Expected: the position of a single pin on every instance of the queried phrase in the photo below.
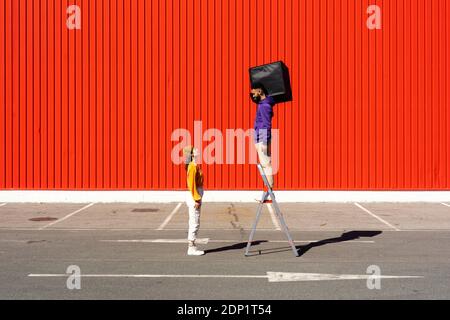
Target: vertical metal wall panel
(95, 108)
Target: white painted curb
(73, 196)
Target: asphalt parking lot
(138, 251)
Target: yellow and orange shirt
(194, 180)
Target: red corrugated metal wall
(95, 108)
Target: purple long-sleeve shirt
(263, 120)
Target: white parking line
(169, 217)
(270, 276)
(50, 275)
(66, 217)
(447, 205)
(376, 217)
(2, 204)
(273, 217)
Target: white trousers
(194, 216)
(265, 159)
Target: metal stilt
(279, 215)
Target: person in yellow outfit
(193, 197)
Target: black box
(275, 78)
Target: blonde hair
(188, 153)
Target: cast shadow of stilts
(346, 236)
(236, 246)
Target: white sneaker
(193, 251)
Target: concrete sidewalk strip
(18, 215)
(225, 216)
(170, 216)
(376, 217)
(273, 216)
(68, 216)
(413, 216)
(328, 217)
(238, 216)
(119, 215)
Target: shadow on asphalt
(236, 246)
(346, 236)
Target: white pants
(265, 158)
(194, 215)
